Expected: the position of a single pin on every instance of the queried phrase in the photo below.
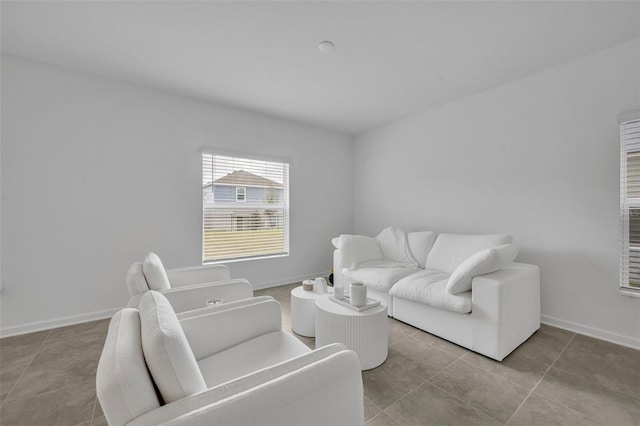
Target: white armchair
(186, 288)
(228, 364)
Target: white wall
(537, 158)
(95, 173)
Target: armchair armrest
(508, 300)
(216, 330)
(222, 307)
(179, 277)
(195, 296)
(322, 387)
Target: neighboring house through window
(630, 203)
(245, 208)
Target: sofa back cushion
(136, 282)
(171, 362)
(155, 273)
(394, 245)
(480, 263)
(420, 244)
(450, 250)
(355, 249)
(123, 384)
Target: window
(240, 192)
(245, 208)
(630, 205)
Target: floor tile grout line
(420, 385)
(541, 379)
(93, 413)
(27, 367)
(465, 403)
(497, 375)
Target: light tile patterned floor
(556, 377)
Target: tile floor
(555, 378)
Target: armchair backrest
(136, 282)
(450, 250)
(147, 275)
(123, 384)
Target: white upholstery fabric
(379, 277)
(506, 311)
(179, 277)
(336, 242)
(195, 296)
(155, 273)
(166, 350)
(482, 262)
(450, 250)
(394, 246)
(136, 282)
(124, 387)
(214, 332)
(250, 356)
(420, 244)
(295, 393)
(358, 248)
(429, 287)
(221, 307)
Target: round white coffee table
(364, 332)
(303, 316)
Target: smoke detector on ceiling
(325, 46)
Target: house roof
(244, 178)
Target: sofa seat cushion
(429, 286)
(380, 274)
(250, 356)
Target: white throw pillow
(169, 357)
(480, 263)
(355, 249)
(155, 273)
(394, 246)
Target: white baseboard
(55, 323)
(289, 280)
(598, 333)
(93, 316)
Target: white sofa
(186, 288)
(464, 288)
(228, 364)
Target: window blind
(630, 205)
(245, 208)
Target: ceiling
(391, 59)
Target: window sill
(629, 292)
(244, 259)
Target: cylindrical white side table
(364, 332)
(303, 317)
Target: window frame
(244, 194)
(284, 204)
(629, 207)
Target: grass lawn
(231, 244)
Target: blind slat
(630, 215)
(245, 208)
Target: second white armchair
(185, 288)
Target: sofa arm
(179, 277)
(322, 387)
(507, 300)
(195, 296)
(217, 330)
